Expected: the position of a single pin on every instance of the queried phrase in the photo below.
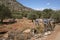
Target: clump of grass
(9, 27)
(39, 29)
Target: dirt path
(55, 35)
(58, 36)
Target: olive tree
(4, 12)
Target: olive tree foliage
(32, 16)
(17, 15)
(39, 13)
(20, 14)
(56, 16)
(25, 13)
(4, 12)
(47, 13)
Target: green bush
(32, 16)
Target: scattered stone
(27, 31)
(47, 33)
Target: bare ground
(55, 35)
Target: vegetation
(56, 16)
(18, 12)
(17, 15)
(32, 16)
(46, 13)
(4, 12)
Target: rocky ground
(15, 33)
(54, 35)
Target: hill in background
(14, 5)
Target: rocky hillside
(14, 5)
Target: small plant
(39, 29)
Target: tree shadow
(9, 22)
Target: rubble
(47, 33)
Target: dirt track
(55, 35)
